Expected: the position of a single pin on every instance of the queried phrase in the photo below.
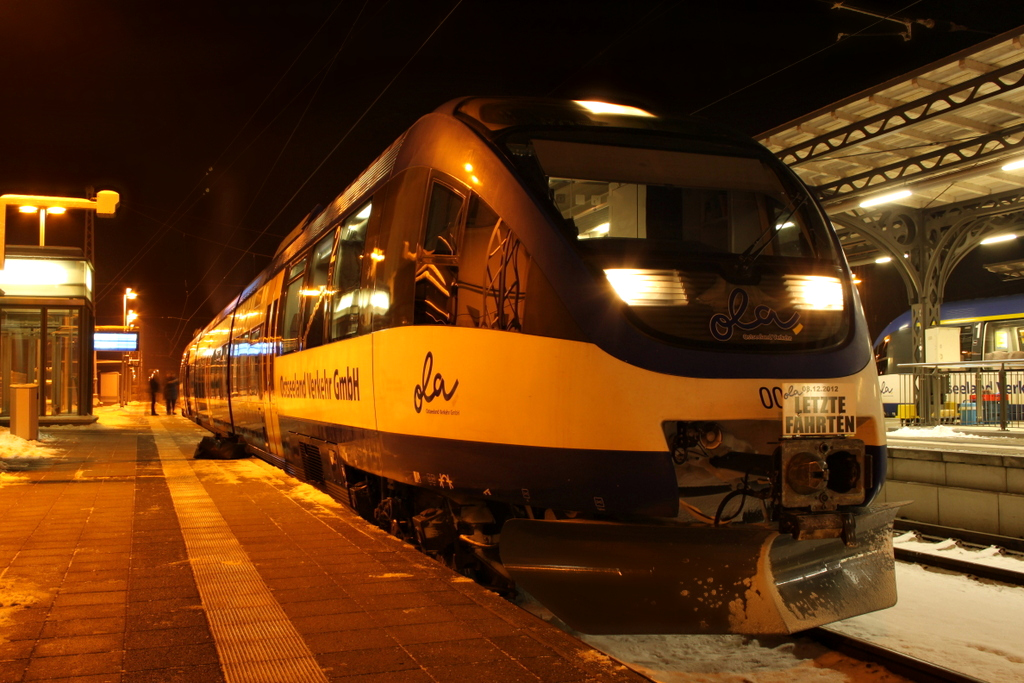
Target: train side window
(967, 343)
(315, 293)
(390, 275)
(290, 323)
(436, 264)
(493, 270)
(344, 304)
(442, 221)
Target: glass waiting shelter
(46, 322)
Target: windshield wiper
(756, 247)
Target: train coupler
(819, 525)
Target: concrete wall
(963, 490)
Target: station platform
(122, 559)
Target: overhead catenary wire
(155, 237)
(266, 176)
(334, 149)
(803, 59)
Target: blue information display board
(115, 341)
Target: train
(611, 359)
(986, 334)
(991, 328)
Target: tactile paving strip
(256, 641)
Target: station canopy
(943, 132)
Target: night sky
(215, 120)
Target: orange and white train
(614, 359)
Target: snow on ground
(943, 431)
(950, 620)
(19, 454)
(992, 556)
(737, 659)
(967, 625)
(725, 659)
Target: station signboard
(115, 341)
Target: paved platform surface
(122, 559)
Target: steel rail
(904, 665)
(979, 538)
(961, 566)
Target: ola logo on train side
(432, 386)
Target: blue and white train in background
(614, 359)
(989, 331)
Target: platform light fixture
(999, 238)
(105, 204)
(885, 198)
(129, 293)
(1014, 165)
(883, 259)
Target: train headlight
(815, 292)
(644, 287)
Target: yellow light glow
(885, 198)
(56, 210)
(815, 292)
(641, 287)
(999, 238)
(1014, 165)
(476, 181)
(469, 168)
(377, 255)
(597, 231)
(883, 259)
(28, 209)
(33, 272)
(345, 302)
(319, 291)
(380, 301)
(608, 108)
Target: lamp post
(127, 317)
(53, 210)
(105, 204)
(128, 294)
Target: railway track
(969, 539)
(904, 665)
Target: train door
(269, 346)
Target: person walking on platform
(154, 389)
(171, 393)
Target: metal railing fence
(977, 393)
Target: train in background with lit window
(614, 359)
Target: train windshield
(704, 248)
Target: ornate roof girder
(924, 166)
(953, 98)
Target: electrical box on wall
(942, 345)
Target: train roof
(967, 311)
(491, 118)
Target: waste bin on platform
(990, 409)
(25, 411)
